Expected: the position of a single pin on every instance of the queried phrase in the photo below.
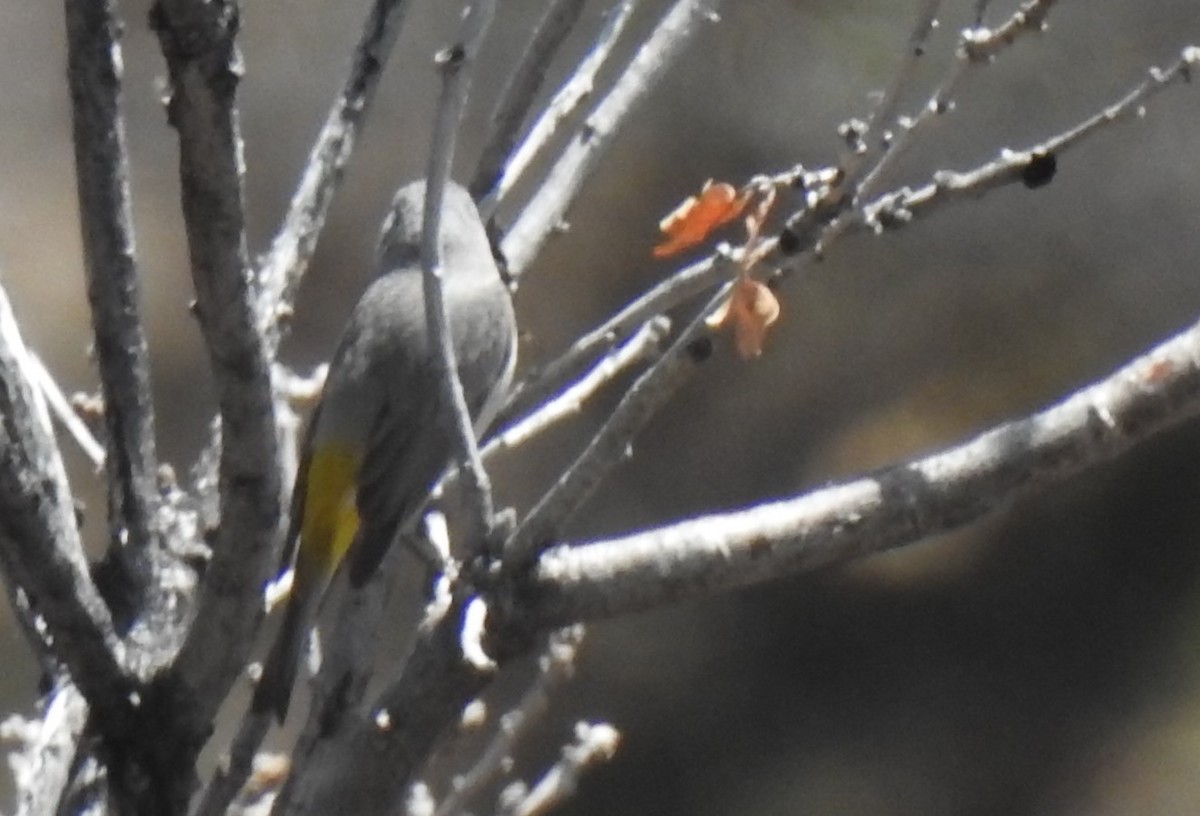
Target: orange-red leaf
(693, 220)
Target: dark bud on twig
(700, 349)
(1039, 171)
(451, 57)
(789, 242)
(853, 133)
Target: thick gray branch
(40, 549)
(367, 763)
(46, 749)
(891, 508)
(102, 177)
(205, 68)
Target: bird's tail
(274, 690)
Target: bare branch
(594, 743)
(231, 776)
(366, 763)
(555, 666)
(984, 45)
(642, 345)
(520, 91)
(46, 749)
(980, 11)
(456, 64)
(578, 88)
(1033, 166)
(610, 444)
(40, 549)
(896, 506)
(204, 68)
(545, 520)
(544, 381)
(61, 406)
(977, 46)
(877, 132)
(806, 237)
(287, 260)
(549, 205)
(346, 666)
(102, 180)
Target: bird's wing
(408, 449)
(299, 489)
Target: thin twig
(977, 46)
(576, 89)
(984, 45)
(555, 666)
(228, 780)
(1032, 166)
(204, 66)
(879, 129)
(556, 23)
(642, 345)
(611, 443)
(287, 260)
(980, 11)
(649, 65)
(594, 743)
(61, 406)
(456, 64)
(883, 114)
(342, 679)
(106, 219)
(898, 505)
(544, 381)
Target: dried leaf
(751, 309)
(693, 220)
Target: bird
(379, 438)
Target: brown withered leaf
(751, 309)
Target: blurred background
(1044, 661)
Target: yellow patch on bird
(330, 511)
